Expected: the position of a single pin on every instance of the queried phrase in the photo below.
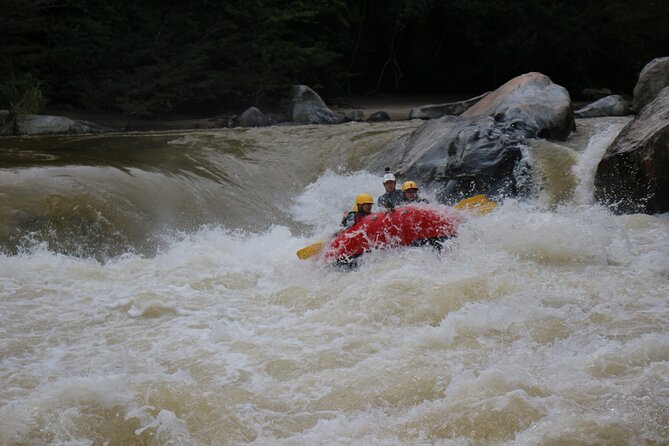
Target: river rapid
(150, 294)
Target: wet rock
(632, 176)
(544, 106)
(307, 107)
(253, 117)
(227, 120)
(379, 116)
(481, 151)
(652, 79)
(45, 125)
(355, 115)
(439, 110)
(613, 105)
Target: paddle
(310, 250)
(478, 204)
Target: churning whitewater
(150, 294)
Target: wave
(102, 196)
(530, 327)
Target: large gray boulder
(481, 151)
(633, 175)
(46, 125)
(613, 105)
(652, 79)
(379, 116)
(544, 107)
(253, 117)
(439, 110)
(355, 115)
(307, 107)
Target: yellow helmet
(363, 199)
(409, 185)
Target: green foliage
(22, 94)
(157, 56)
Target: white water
(532, 327)
(586, 167)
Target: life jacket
(390, 199)
(416, 200)
(353, 218)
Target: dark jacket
(390, 199)
(352, 218)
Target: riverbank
(397, 106)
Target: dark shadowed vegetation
(151, 57)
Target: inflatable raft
(403, 226)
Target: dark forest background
(152, 57)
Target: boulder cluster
(480, 151)
(476, 146)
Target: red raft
(404, 226)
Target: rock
(533, 97)
(355, 115)
(379, 116)
(226, 120)
(465, 156)
(45, 124)
(253, 117)
(437, 111)
(481, 151)
(652, 79)
(613, 105)
(632, 176)
(81, 127)
(308, 108)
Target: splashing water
(586, 167)
(531, 327)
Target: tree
(206, 55)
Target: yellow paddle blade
(478, 204)
(310, 250)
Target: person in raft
(363, 207)
(392, 197)
(410, 193)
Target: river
(150, 294)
